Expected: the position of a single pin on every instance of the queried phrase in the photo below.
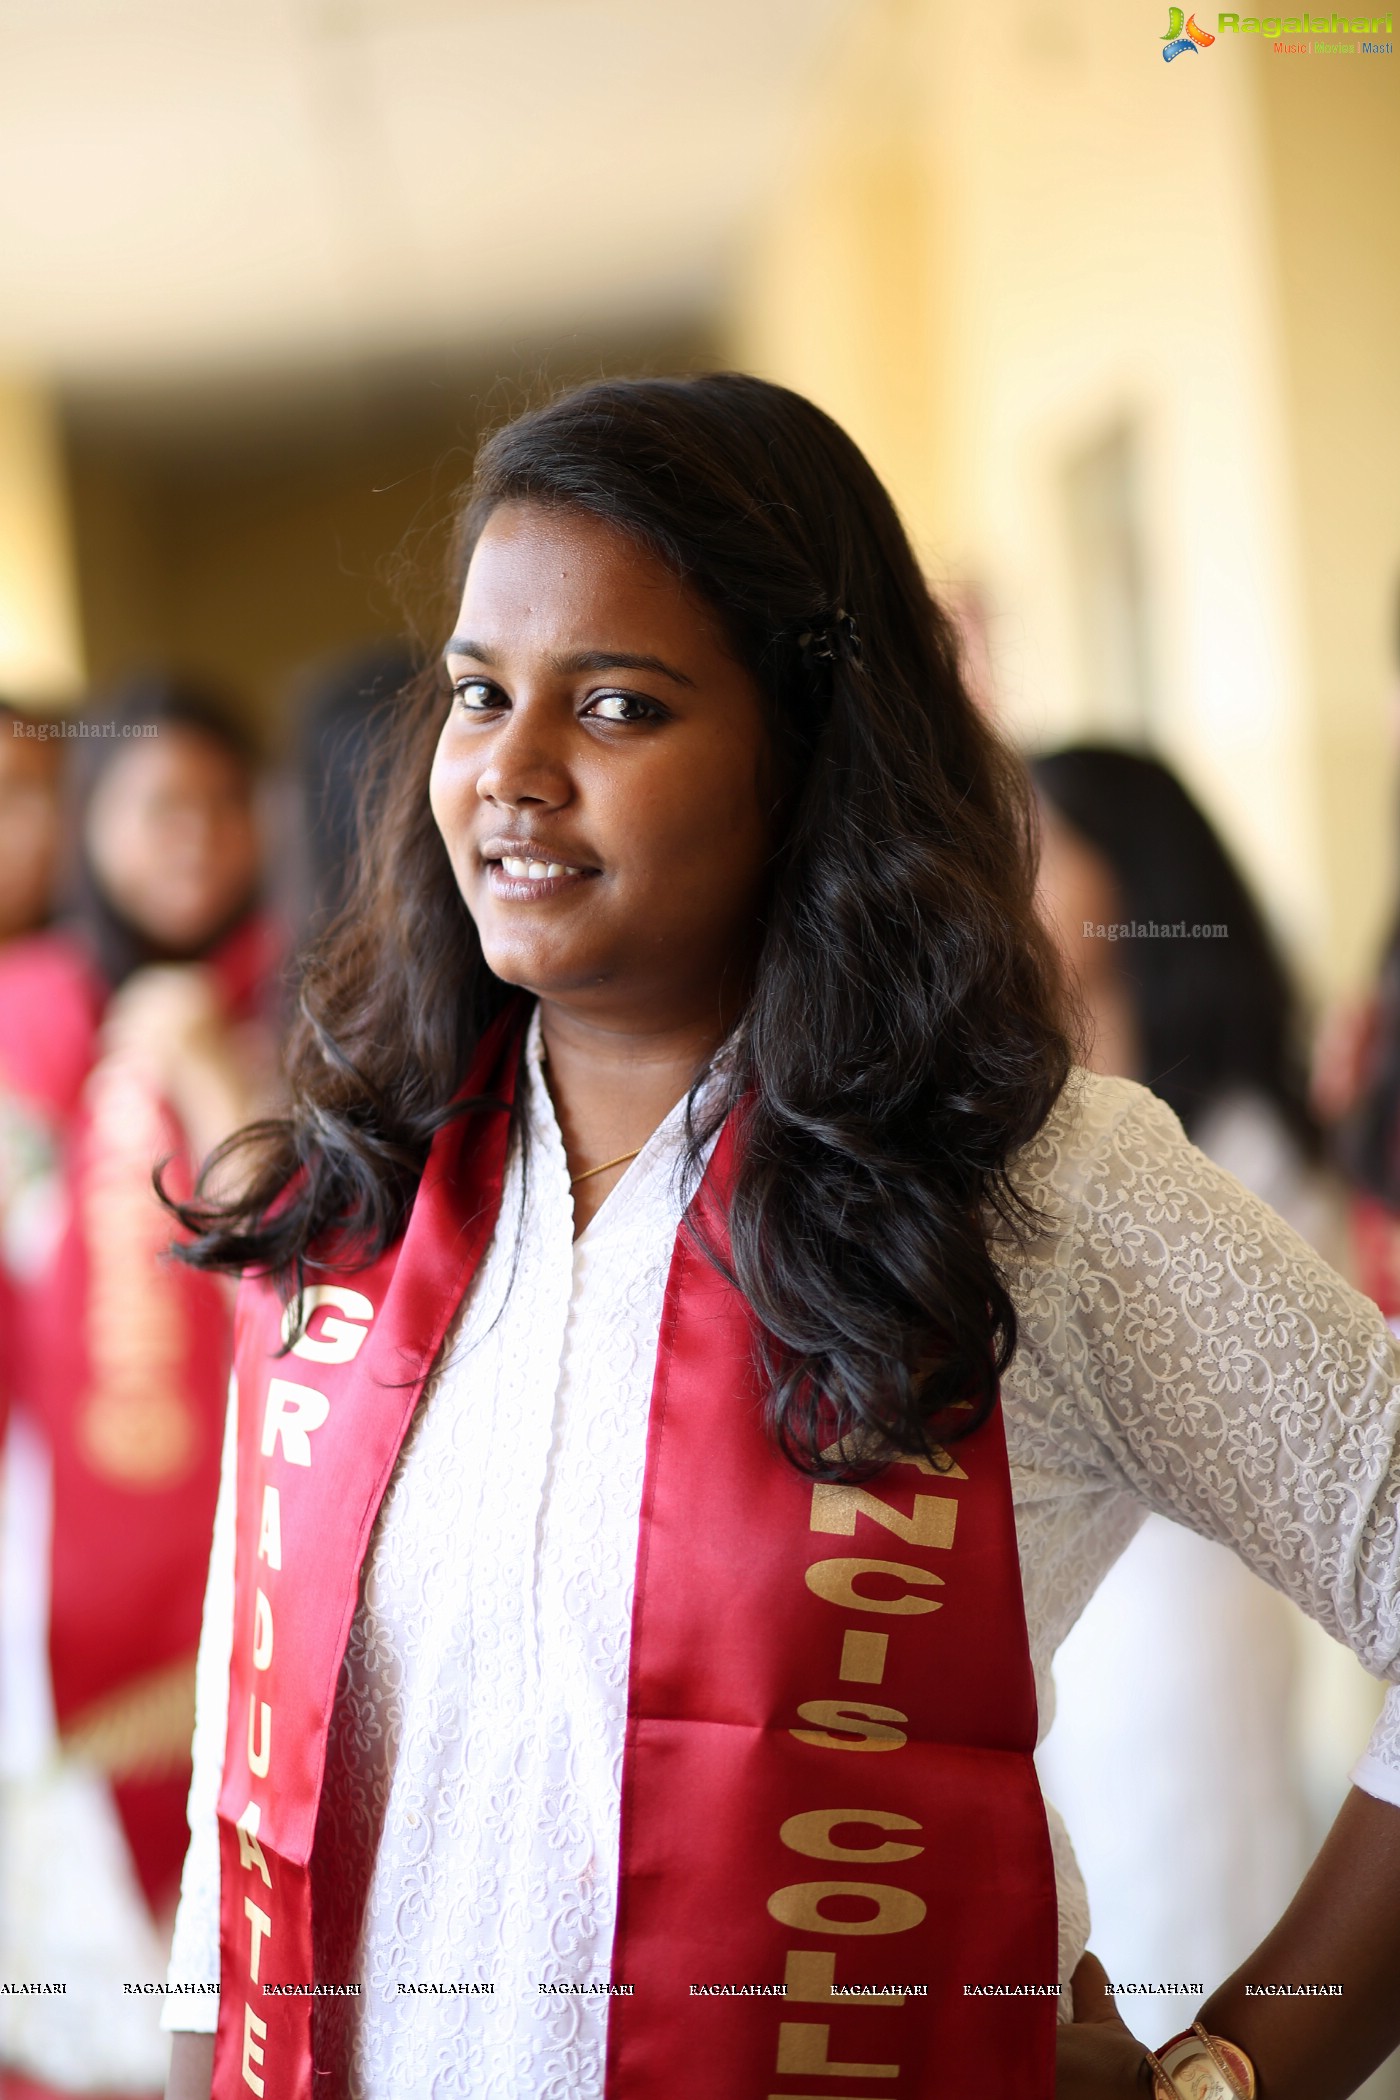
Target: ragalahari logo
(1175, 42)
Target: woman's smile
(530, 871)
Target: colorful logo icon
(1175, 42)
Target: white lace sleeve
(1378, 1772)
(193, 2006)
(1212, 1364)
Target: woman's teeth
(536, 870)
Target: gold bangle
(1231, 2075)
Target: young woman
(619, 1648)
(1209, 1020)
(128, 1032)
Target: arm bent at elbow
(1342, 1928)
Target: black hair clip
(833, 638)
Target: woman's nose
(526, 762)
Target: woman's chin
(541, 969)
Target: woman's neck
(611, 1088)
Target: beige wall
(1331, 138)
(244, 560)
(834, 292)
(1087, 235)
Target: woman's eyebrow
(462, 645)
(580, 660)
(618, 660)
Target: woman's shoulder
(1100, 1132)
(1111, 1185)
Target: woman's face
(603, 781)
(1079, 899)
(171, 837)
(1076, 890)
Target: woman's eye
(475, 695)
(622, 707)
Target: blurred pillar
(40, 649)
(1332, 154)
(834, 292)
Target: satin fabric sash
(835, 1870)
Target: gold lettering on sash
(857, 1717)
(262, 1632)
(259, 1753)
(293, 1411)
(800, 1905)
(835, 1508)
(260, 1925)
(270, 1528)
(250, 1852)
(863, 1657)
(946, 1469)
(809, 1978)
(835, 1580)
(805, 2046)
(866, 1586)
(254, 2033)
(811, 1834)
(339, 1340)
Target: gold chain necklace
(589, 1172)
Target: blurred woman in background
(1356, 1090)
(344, 713)
(29, 821)
(1207, 1018)
(1202, 1011)
(1368, 1135)
(30, 776)
(129, 1033)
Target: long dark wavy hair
(1216, 1015)
(901, 1038)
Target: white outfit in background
(1178, 1755)
(1181, 1350)
(71, 1908)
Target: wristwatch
(1200, 2066)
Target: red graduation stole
(828, 1779)
(120, 1358)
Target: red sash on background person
(121, 1358)
(1375, 1238)
(828, 1778)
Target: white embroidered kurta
(1180, 1625)
(1181, 1350)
